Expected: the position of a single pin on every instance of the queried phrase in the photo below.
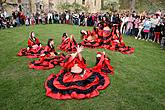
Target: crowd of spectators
(144, 26)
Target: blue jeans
(146, 34)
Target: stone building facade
(32, 6)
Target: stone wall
(33, 6)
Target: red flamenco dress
(68, 44)
(90, 39)
(68, 84)
(48, 60)
(34, 49)
(117, 44)
(103, 64)
(104, 36)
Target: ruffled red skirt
(121, 48)
(68, 47)
(32, 53)
(66, 85)
(44, 64)
(104, 42)
(104, 67)
(90, 44)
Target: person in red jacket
(34, 47)
(49, 59)
(75, 80)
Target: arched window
(95, 3)
(83, 2)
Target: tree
(78, 8)
(30, 5)
(64, 6)
(110, 5)
(124, 4)
(132, 4)
(72, 7)
(141, 5)
(102, 4)
(1, 4)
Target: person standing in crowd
(18, 20)
(117, 20)
(67, 17)
(82, 17)
(14, 23)
(46, 18)
(159, 13)
(40, 18)
(86, 20)
(154, 22)
(56, 18)
(123, 24)
(147, 27)
(36, 18)
(129, 25)
(50, 17)
(14, 15)
(163, 32)
(32, 20)
(22, 18)
(1, 22)
(71, 18)
(76, 19)
(62, 18)
(136, 25)
(27, 21)
(140, 29)
(157, 31)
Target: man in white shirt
(50, 17)
(67, 18)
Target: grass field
(138, 82)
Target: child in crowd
(136, 26)
(157, 33)
(146, 30)
(27, 22)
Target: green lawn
(138, 82)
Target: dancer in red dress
(118, 44)
(49, 59)
(90, 39)
(68, 44)
(75, 80)
(34, 47)
(105, 38)
(103, 64)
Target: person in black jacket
(163, 33)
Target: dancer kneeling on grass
(90, 39)
(105, 37)
(75, 80)
(118, 44)
(68, 44)
(34, 47)
(103, 64)
(49, 59)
